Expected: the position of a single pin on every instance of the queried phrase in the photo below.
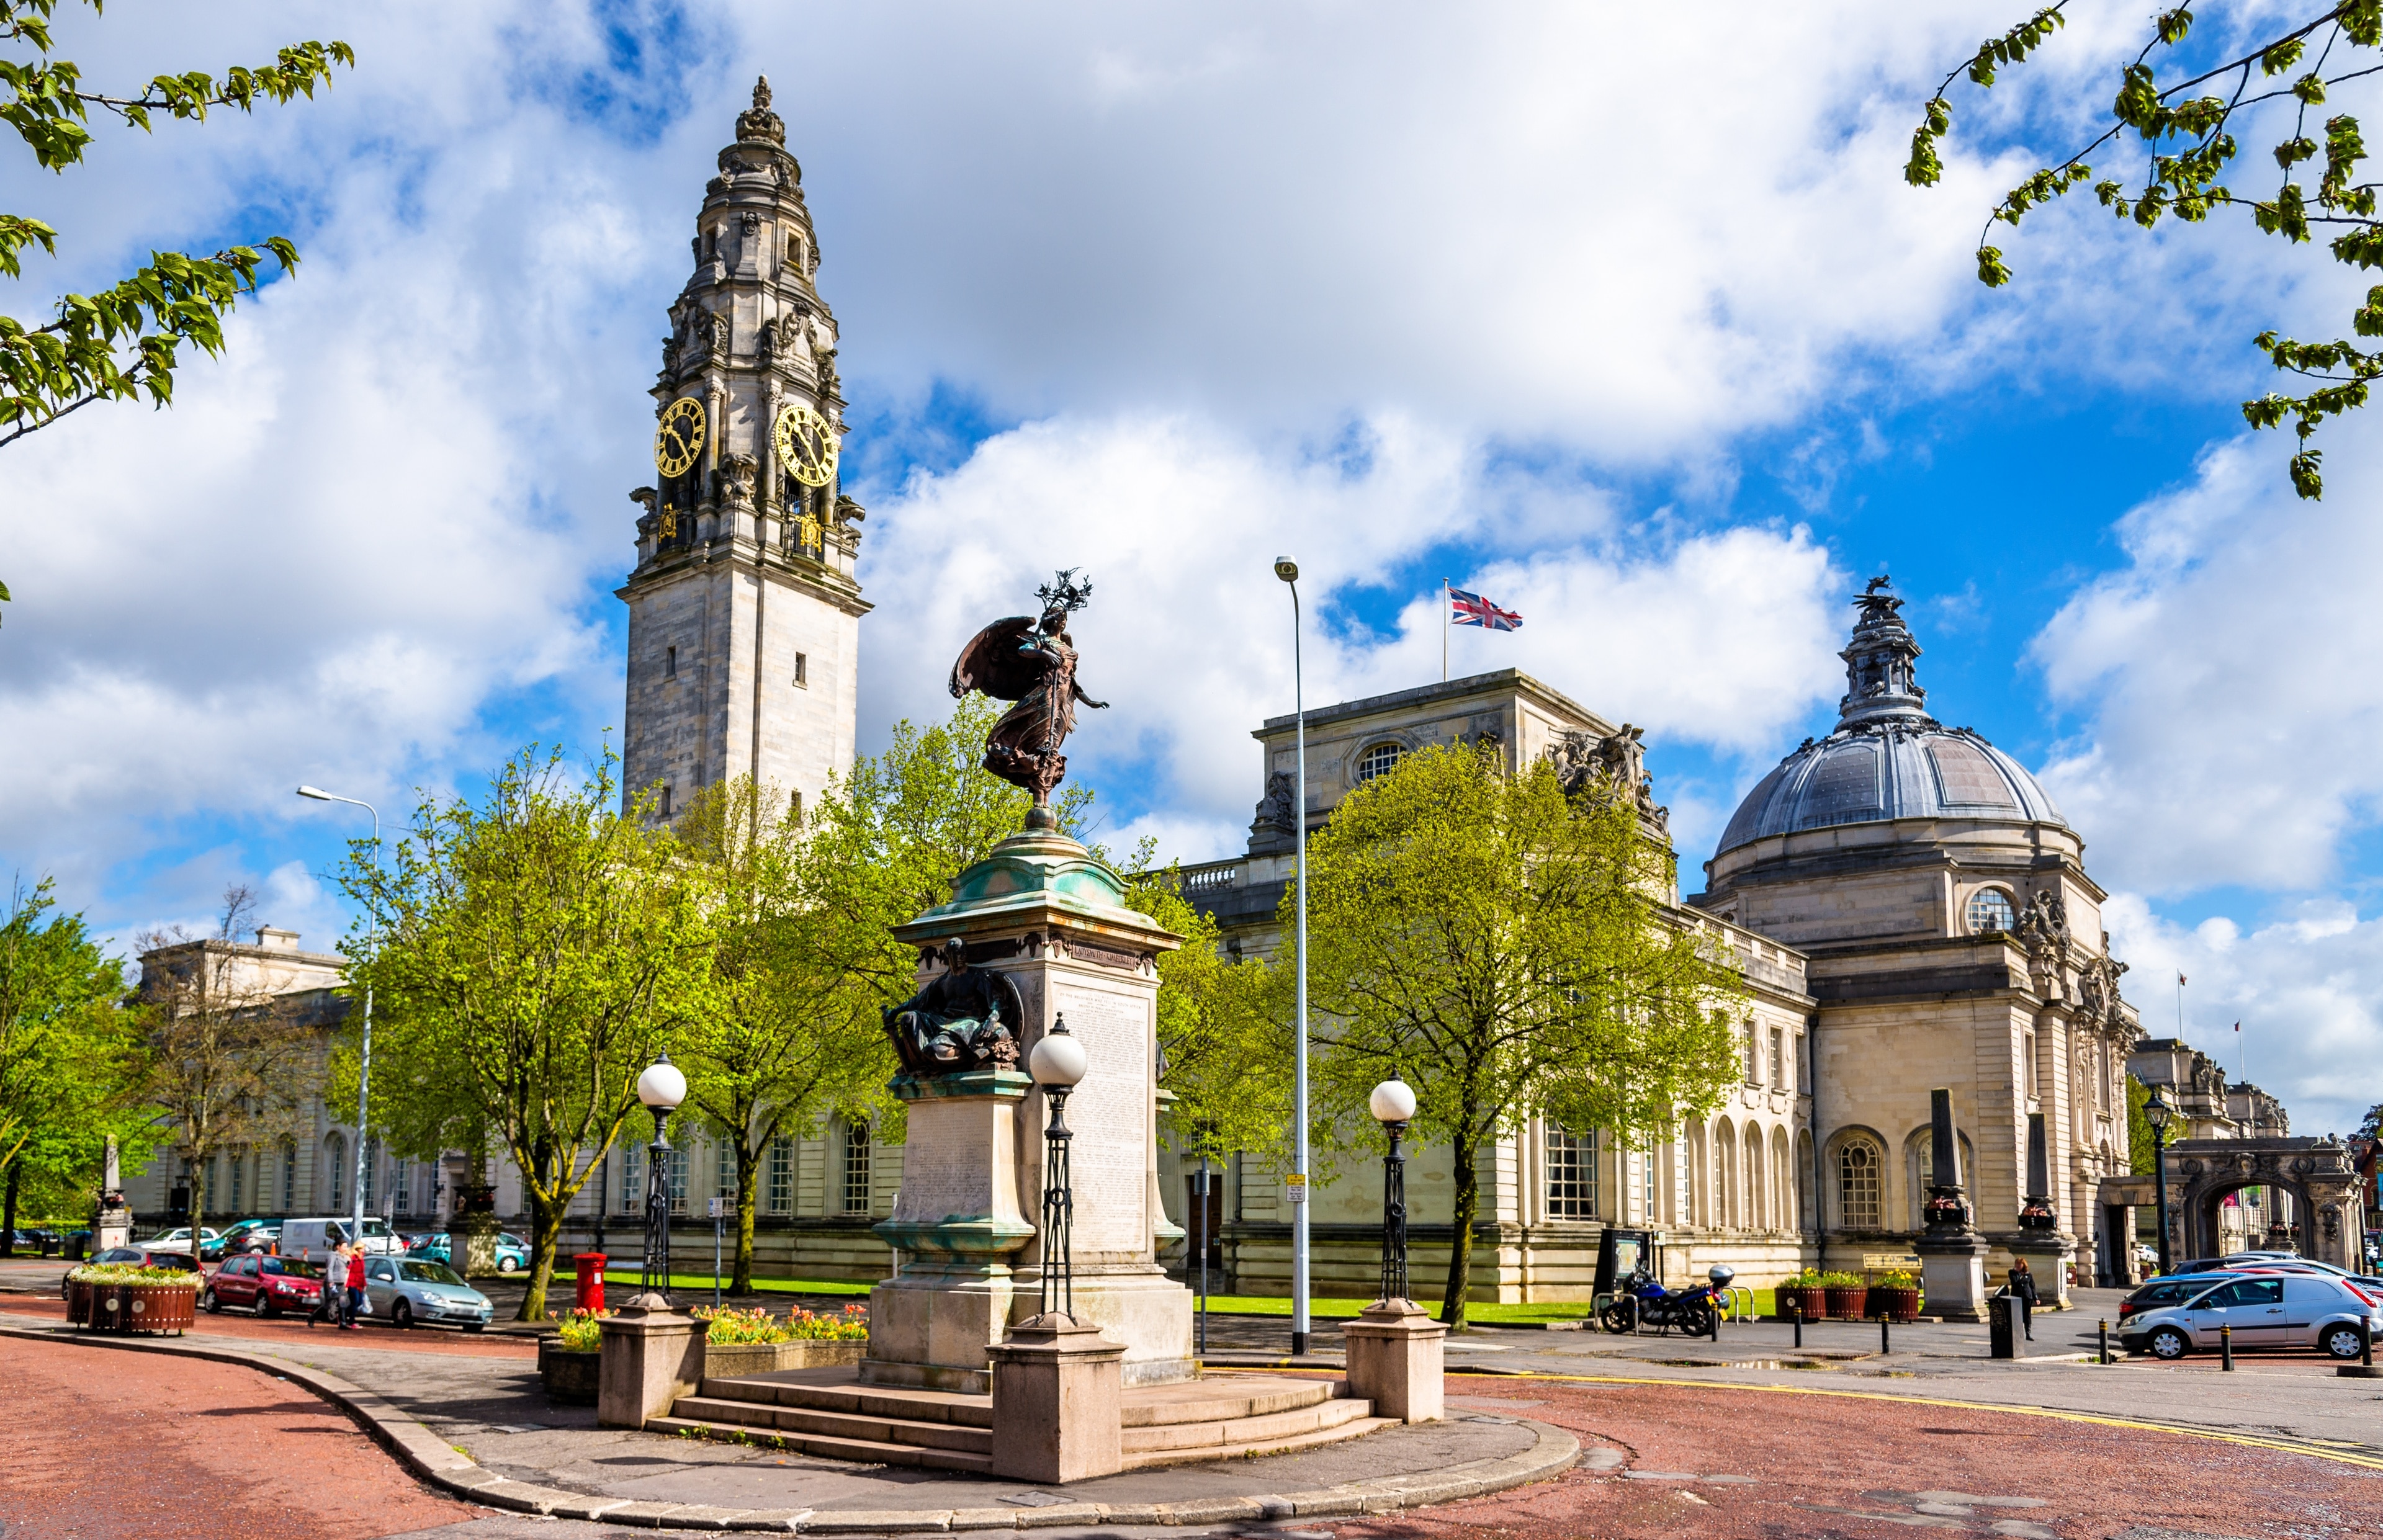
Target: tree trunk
(198, 1216)
(1460, 1251)
(747, 1165)
(545, 1231)
(8, 1220)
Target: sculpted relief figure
(966, 1019)
(1032, 663)
(1584, 760)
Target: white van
(312, 1239)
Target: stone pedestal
(652, 1356)
(958, 1224)
(1042, 910)
(1058, 1403)
(1395, 1361)
(2048, 1254)
(114, 1226)
(1952, 1269)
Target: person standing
(327, 1300)
(2023, 1287)
(355, 1303)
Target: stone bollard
(1395, 1353)
(652, 1356)
(1058, 1402)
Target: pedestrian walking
(327, 1299)
(2023, 1287)
(356, 1276)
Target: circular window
(1378, 760)
(1990, 910)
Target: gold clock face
(806, 446)
(678, 439)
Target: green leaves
(1991, 271)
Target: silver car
(407, 1290)
(2266, 1310)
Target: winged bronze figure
(1031, 660)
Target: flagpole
(1445, 625)
(2180, 1007)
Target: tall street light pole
(2159, 1111)
(1288, 569)
(363, 1077)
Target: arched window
(856, 1169)
(1758, 1195)
(1378, 760)
(335, 1160)
(1990, 910)
(1729, 1200)
(1858, 1185)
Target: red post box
(591, 1279)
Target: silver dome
(1887, 759)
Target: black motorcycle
(1645, 1302)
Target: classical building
(743, 613)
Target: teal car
(513, 1252)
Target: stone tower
(743, 613)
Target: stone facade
(744, 612)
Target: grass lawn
(1486, 1315)
(615, 1277)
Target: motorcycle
(1642, 1301)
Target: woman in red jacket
(355, 1303)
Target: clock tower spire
(744, 612)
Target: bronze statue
(965, 1018)
(1033, 663)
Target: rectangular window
(1778, 1058)
(666, 800)
(239, 1172)
(782, 1176)
(723, 1171)
(677, 1169)
(400, 1186)
(802, 671)
(1650, 1189)
(372, 1172)
(289, 1179)
(856, 1169)
(1572, 1173)
(794, 809)
(1753, 1056)
(670, 662)
(633, 1179)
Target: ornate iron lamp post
(1288, 569)
(1393, 1102)
(1057, 1064)
(663, 1087)
(2159, 1111)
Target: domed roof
(1887, 759)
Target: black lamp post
(1393, 1102)
(663, 1087)
(1202, 1238)
(1057, 1064)
(2159, 1111)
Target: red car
(265, 1285)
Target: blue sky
(1669, 367)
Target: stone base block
(931, 1324)
(1058, 1405)
(2048, 1257)
(1396, 1360)
(1953, 1271)
(1146, 1312)
(651, 1357)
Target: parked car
(251, 1235)
(210, 1242)
(513, 1252)
(265, 1285)
(313, 1239)
(407, 1290)
(2162, 1292)
(2264, 1311)
(138, 1256)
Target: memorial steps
(827, 1412)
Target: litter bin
(2002, 1324)
(591, 1279)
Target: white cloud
(2304, 987)
(2232, 678)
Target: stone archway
(2315, 1172)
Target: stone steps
(1221, 1417)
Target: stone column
(957, 1223)
(1396, 1360)
(652, 1356)
(1058, 1408)
(1952, 1253)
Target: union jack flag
(1473, 610)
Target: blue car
(513, 1252)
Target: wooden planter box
(1847, 1304)
(734, 1361)
(126, 1308)
(569, 1377)
(1813, 1302)
(1896, 1304)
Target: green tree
(1508, 953)
(529, 956)
(2139, 1128)
(70, 1057)
(785, 1031)
(231, 1056)
(2184, 130)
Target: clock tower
(743, 613)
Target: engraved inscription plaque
(1110, 1113)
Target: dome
(1887, 759)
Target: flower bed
(742, 1342)
(114, 1297)
(1847, 1296)
(1808, 1295)
(1895, 1296)
(569, 1363)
